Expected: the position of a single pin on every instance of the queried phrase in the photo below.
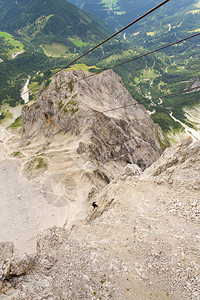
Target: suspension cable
(107, 39)
(125, 62)
(137, 57)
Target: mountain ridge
(123, 12)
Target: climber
(94, 204)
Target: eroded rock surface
(179, 166)
(84, 108)
(142, 242)
(73, 144)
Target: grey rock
(141, 242)
(21, 265)
(84, 108)
(12, 265)
(132, 170)
(87, 143)
(179, 166)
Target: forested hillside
(51, 33)
(120, 12)
(49, 21)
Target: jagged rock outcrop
(179, 166)
(83, 108)
(6, 250)
(11, 264)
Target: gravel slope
(24, 210)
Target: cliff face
(73, 145)
(141, 242)
(84, 109)
(85, 142)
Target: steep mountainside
(99, 140)
(73, 145)
(84, 139)
(78, 106)
(120, 13)
(49, 21)
(51, 33)
(140, 243)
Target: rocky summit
(100, 114)
(86, 140)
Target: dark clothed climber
(94, 204)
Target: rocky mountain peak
(85, 107)
(77, 142)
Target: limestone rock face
(141, 242)
(83, 108)
(80, 134)
(142, 239)
(179, 166)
